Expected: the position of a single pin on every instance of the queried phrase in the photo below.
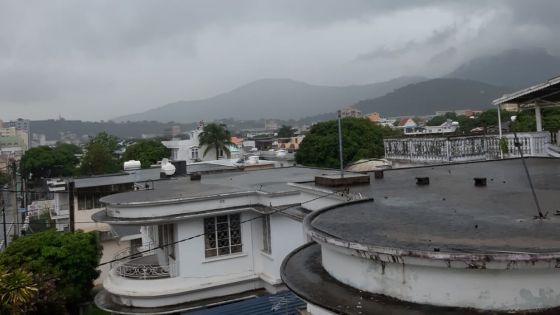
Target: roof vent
(480, 181)
(422, 181)
(378, 174)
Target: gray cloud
(101, 59)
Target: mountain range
(472, 85)
(270, 98)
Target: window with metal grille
(267, 246)
(222, 235)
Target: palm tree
(16, 290)
(215, 136)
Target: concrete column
(500, 131)
(538, 117)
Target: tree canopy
(43, 161)
(69, 259)
(147, 151)
(215, 136)
(286, 131)
(361, 139)
(99, 157)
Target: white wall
(191, 258)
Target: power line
(277, 210)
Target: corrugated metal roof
(283, 303)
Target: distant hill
(52, 129)
(515, 68)
(270, 98)
(426, 97)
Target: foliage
(4, 179)
(100, 156)
(215, 136)
(71, 258)
(361, 139)
(17, 291)
(485, 119)
(45, 161)
(526, 120)
(147, 151)
(106, 140)
(286, 131)
(438, 120)
(504, 145)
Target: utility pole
(4, 221)
(71, 205)
(340, 143)
(16, 214)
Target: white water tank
(167, 168)
(132, 165)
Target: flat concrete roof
(268, 180)
(141, 175)
(303, 274)
(451, 214)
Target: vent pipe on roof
(422, 181)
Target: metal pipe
(340, 144)
(518, 145)
(500, 131)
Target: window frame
(230, 225)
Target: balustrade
(465, 148)
(142, 263)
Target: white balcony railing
(142, 263)
(465, 148)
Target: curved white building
(210, 239)
(451, 239)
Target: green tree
(106, 140)
(98, 160)
(286, 132)
(361, 139)
(438, 120)
(71, 258)
(217, 137)
(526, 120)
(100, 157)
(43, 161)
(147, 151)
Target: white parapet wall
(464, 148)
(495, 285)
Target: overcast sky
(95, 60)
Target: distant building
(271, 125)
(459, 112)
(447, 127)
(407, 123)
(246, 222)
(350, 112)
(175, 130)
(387, 122)
(291, 143)
(374, 117)
(188, 148)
